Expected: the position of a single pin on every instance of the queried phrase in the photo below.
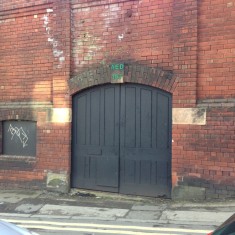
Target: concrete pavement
(85, 205)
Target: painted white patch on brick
(62, 59)
(49, 10)
(57, 53)
(120, 37)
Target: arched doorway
(121, 139)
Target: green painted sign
(117, 66)
(117, 71)
(117, 76)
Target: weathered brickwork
(133, 73)
(34, 69)
(216, 42)
(204, 155)
(185, 36)
(25, 53)
(162, 34)
(50, 140)
(52, 49)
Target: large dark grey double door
(122, 140)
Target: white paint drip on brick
(120, 37)
(49, 10)
(57, 53)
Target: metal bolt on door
(122, 140)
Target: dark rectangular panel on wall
(19, 138)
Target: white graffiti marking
(20, 133)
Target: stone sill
(18, 158)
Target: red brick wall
(162, 34)
(194, 39)
(182, 36)
(185, 33)
(20, 4)
(127, 30)
(203, 156)
(26, 61)
(216, 49)
(34, 69)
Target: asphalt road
(82, 227)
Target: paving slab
(215, 204)
(28, 208)
(82, 211)
(199, 216)
(15, 196)
(143, 215)
(148, 208)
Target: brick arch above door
(132, 73)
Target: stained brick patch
(133, 73)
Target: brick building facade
(52, 50)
